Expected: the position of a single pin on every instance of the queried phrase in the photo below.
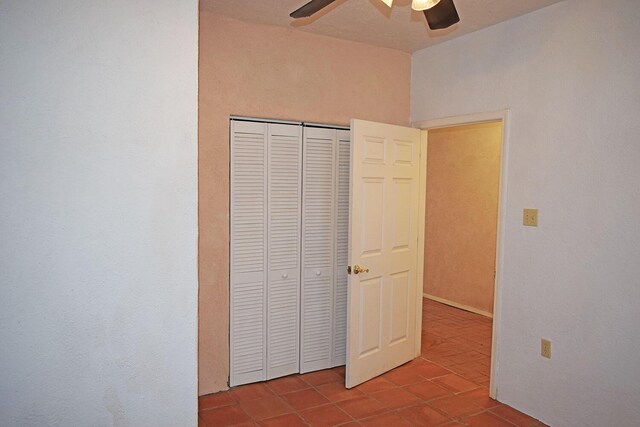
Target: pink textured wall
(260, 71)
(463, 177)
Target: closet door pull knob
(285, 275)
(357, 269)
(318, 273)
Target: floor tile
(423, 415)
(362, 407)
(385, 420)
(287, 384)
(321, 377)
(486, 419)
(215, 400)
(430, 370)
(224, 416)
(268, 407)
(427, 390)
(481, 397)
(340, 370)
(456, 406)
(514, 416)
(287, 420)
(251, 391)
(486, 361)
(337, 392)
(326, 415)
(485, 382)
(403, 376)
(376, 384)
(455, 383)
(304, 399)
(418, 361)
(395, 398)
(466, 357)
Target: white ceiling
(371, 22)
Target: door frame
(502, 116)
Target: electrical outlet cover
(545, 348)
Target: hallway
(447, 386)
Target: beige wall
(463, 175)
(261, 71)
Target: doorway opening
(465, 197)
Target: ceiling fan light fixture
(388, 2)
(423, 4)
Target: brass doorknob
(357, 269)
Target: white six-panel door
(384, 226)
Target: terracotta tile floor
(447, 386)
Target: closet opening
(289, 201)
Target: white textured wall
(570, 74)
(98, 212)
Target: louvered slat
(248, 253)
(285, 148)
(318, 224)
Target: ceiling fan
(440, 13)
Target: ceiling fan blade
(310, 8)
(443, 15)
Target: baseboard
(457, 305)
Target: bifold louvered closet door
(325, 216)
(289, 236)
(265, 250)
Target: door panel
(342, 242)
(400, 285)
(283, 286)
(318, 247)
(248, 300)
(385, 174)
(370, 316)
(371, 224)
